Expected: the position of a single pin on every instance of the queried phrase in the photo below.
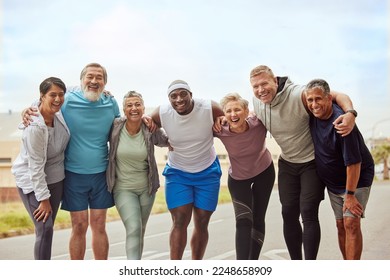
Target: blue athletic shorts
(83, 190)
(200, 188)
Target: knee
(202, 219)
(290, 212)
(98, 224)
(46, 229)
(79, 227)
(79, 222)
(244, 222)
(181, 220)
(352, 225)
(309, 212)
(133, 226)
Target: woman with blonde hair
(251, 174)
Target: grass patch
(14, 219)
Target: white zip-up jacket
(31, 166)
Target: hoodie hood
(283, 84)
(287, 121)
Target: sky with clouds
(211, 44)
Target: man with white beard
(89, 115)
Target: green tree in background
(381, 154)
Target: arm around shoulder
(343, 100)
(346, 122)
(153, 121)
(217, 110)
(160, 138)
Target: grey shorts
(337, 202)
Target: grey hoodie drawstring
(265, 118)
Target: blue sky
(211, 44)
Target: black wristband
(353, 112)
(350, 192)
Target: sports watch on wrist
(350, 192)
(353, 112)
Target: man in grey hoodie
(281, 106)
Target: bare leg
(341, 236)
(181, 217)
(354, 238)
(99, 235)
(200, 235)
(77, 243)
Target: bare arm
(344, 123)
(153, 121)
(217, 110)
(218, 116)
(156, 116)
(350, 202)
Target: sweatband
(177, 86)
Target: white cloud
(211, 44)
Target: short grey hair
(97, 65)
(132, 93)
(318, 83)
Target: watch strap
(353, 112)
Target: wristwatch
(350, 192)
(353, 112)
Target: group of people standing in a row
(65, 160)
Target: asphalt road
(375, 227)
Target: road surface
(375, 227)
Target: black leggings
(300, 192)
(250, 200)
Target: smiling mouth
(180, 105)
(263, 95)
(93, 88)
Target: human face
(133, 109)
(236, 116)
(319, 103)
(181, 101)
(93, 83)
(52, 101)
(264, 87)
